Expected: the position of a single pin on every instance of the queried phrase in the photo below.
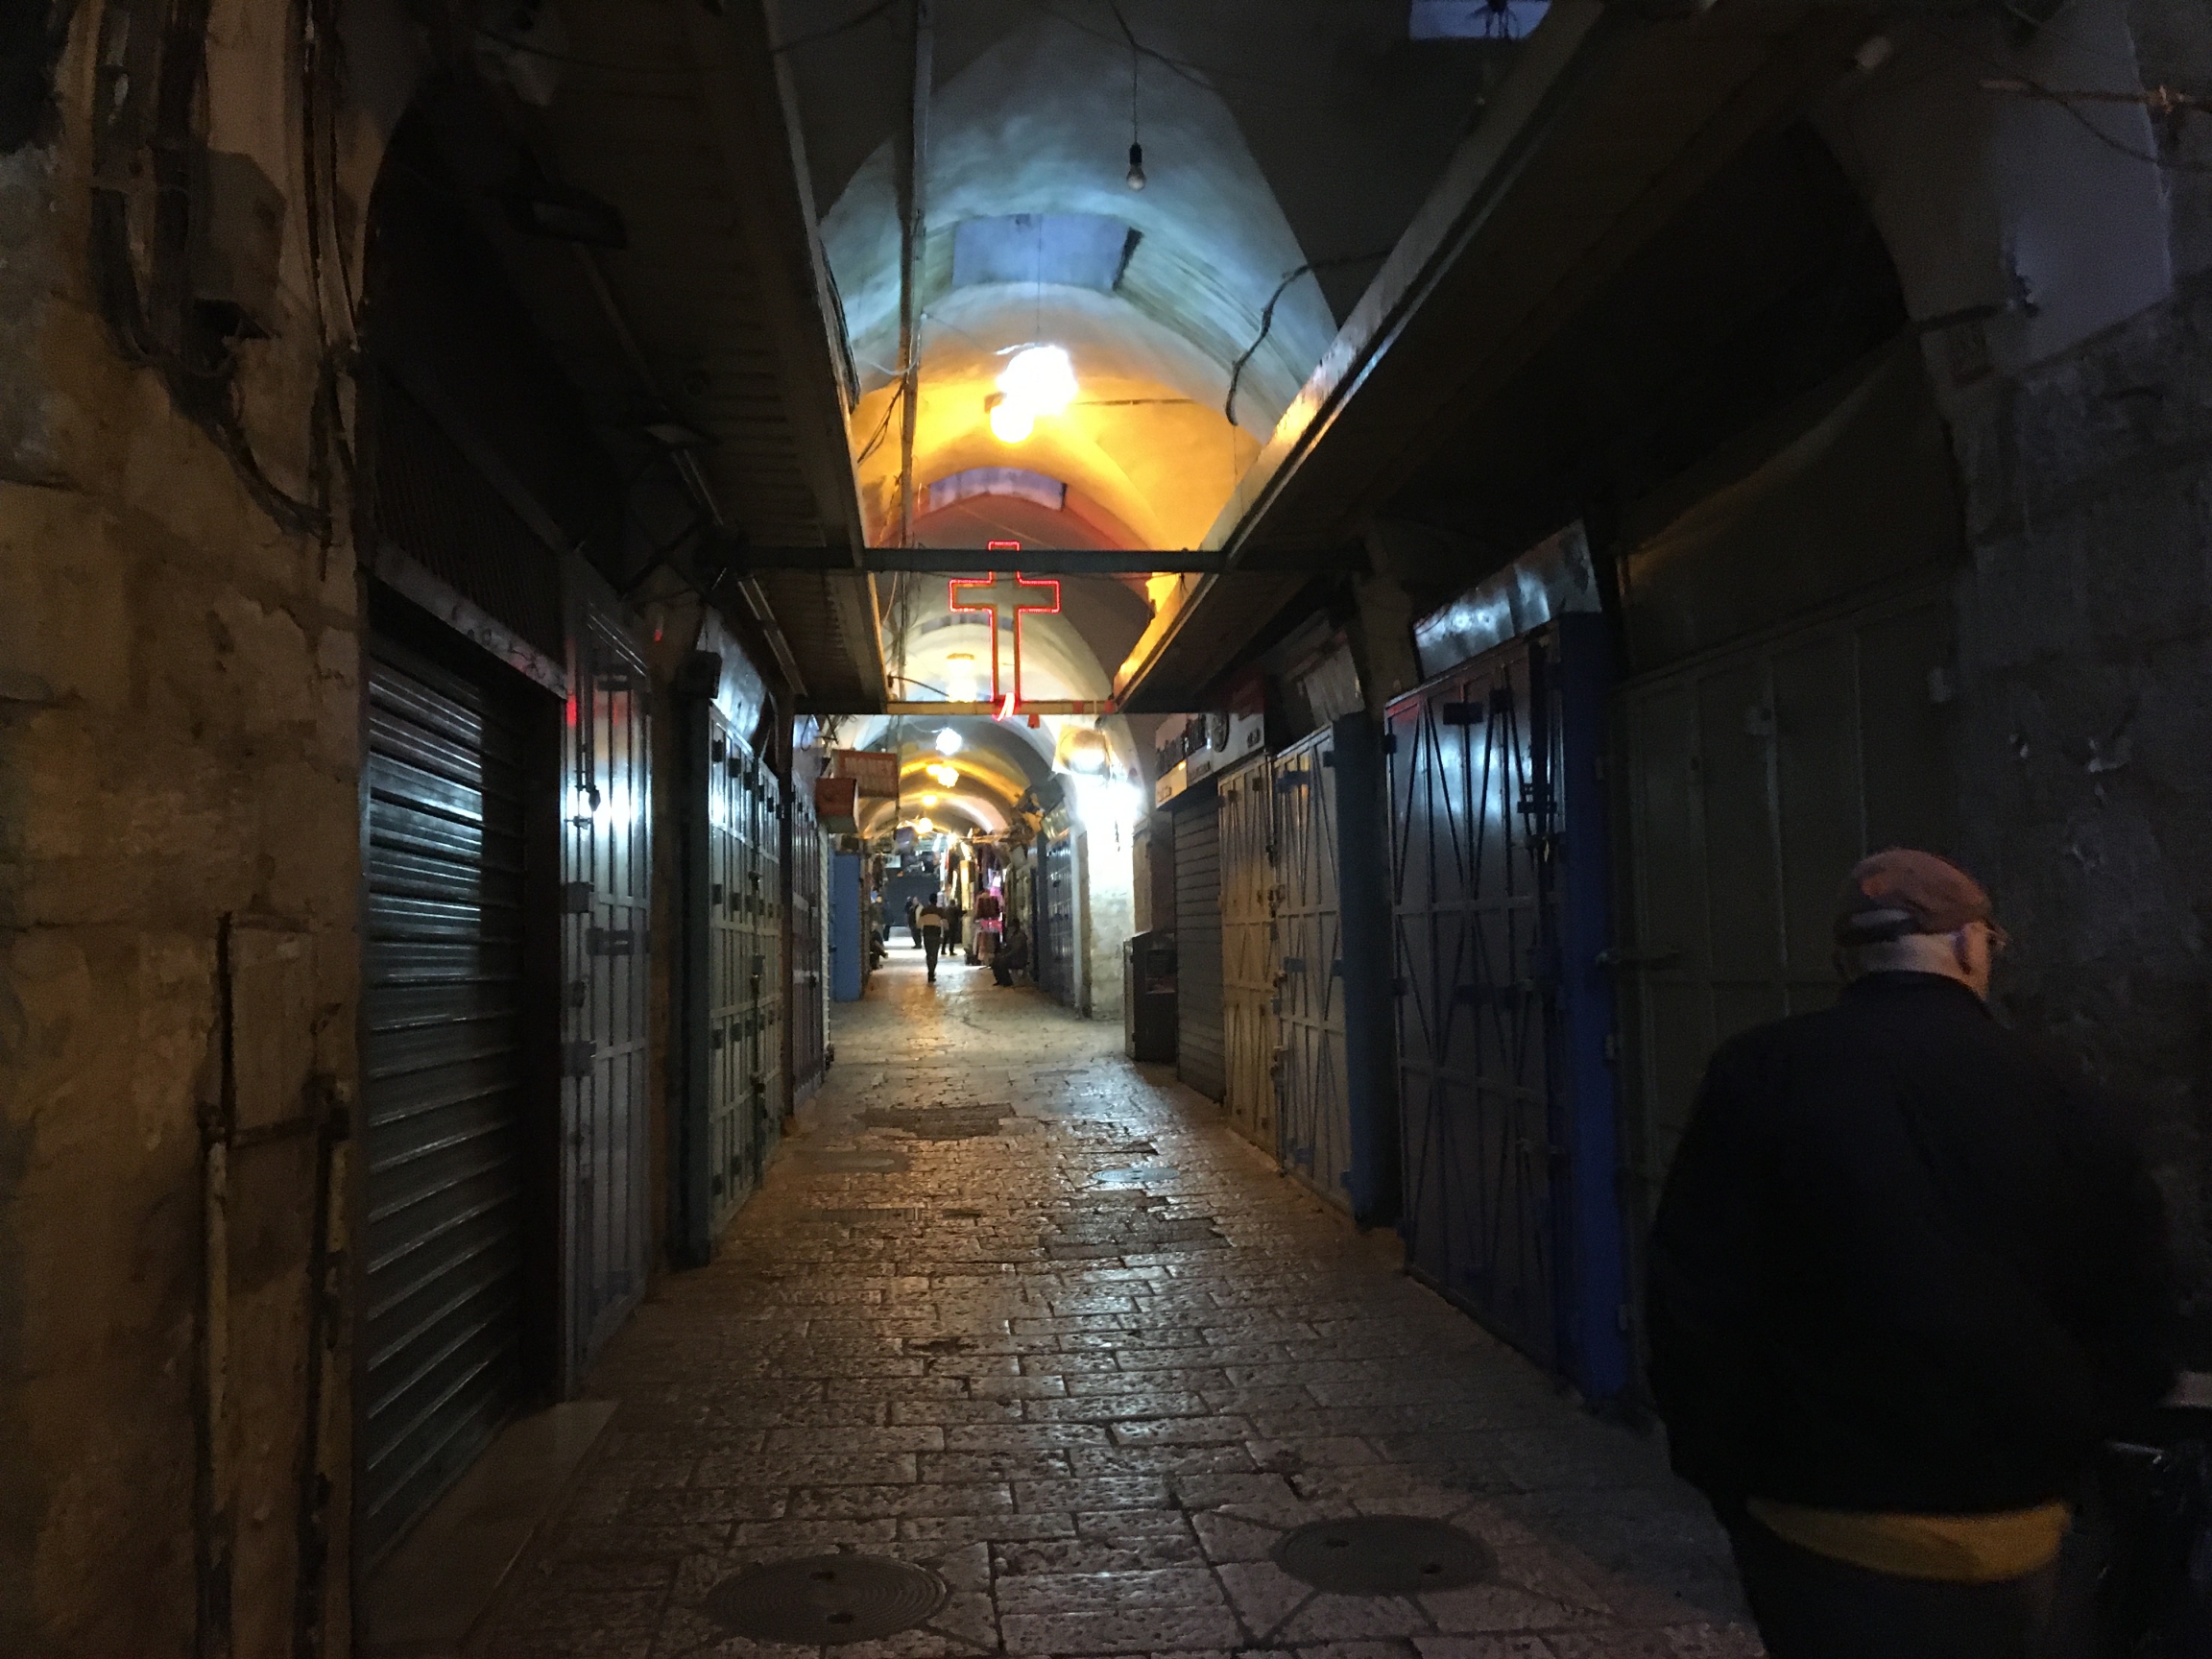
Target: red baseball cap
(1901, 891)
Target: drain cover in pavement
(1383, 1555)
(819, 1600)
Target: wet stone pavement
(1013, 1309)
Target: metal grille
(607, 865)
(442, 1082)
(1199, 1045)
(1248, 956)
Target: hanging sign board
(835, 805)
(875, 770)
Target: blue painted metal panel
(847, 919)
(1499, 866)
(1363, 951)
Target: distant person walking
(1906, 1274)
(1012, 954)
(914, 918)
(932, 924)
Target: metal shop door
(1336, 1100)
(443, 1082)
(1199, 1046)
(1753, 778)
(607, 865)
(1499, 859)
(765, 1095)
(1248, 957)
(733, 939)
(810, 937)
(847, 927)
(1056, 943)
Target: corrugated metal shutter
(442, 1094)
(1201, 1047)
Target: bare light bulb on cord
(1136, 166)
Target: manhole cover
(1383, 1555)
(819, 1600)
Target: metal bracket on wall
(576, 1057)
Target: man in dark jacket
(1906, 1273)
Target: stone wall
(2085, 714)
(178, 730)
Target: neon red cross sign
(996, 593)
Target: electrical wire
(1267, 318)
(890, 408)
(2043, 93)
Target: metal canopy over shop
(1624, 116)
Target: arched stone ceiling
(1277, 134)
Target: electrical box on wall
(1225, 738)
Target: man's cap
(1902, 891)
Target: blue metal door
(1498, 858)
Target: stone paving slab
(1015, 1308)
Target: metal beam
(990, 711)
(1043, 561)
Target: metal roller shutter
(1201, 1047)
(442, 1083)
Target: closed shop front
(1754, 777)
(448, 1097)
(808, 933)
(1058, 898)
(607, 870)
(728, 1027)
(1337, 1111)
(1200, 1048)
(1500, 865)
(1248, 955)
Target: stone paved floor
(1017, 1308)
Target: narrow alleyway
(1013, 1309)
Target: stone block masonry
(2085, 690)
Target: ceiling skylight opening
(1475, 20)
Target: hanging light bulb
(1136, 166)
(1041, 379)
(1011, 423)
(928, 800)
(948, 741)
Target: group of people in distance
(935, 924)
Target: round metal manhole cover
(822, 1600)
(1384, 1556)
